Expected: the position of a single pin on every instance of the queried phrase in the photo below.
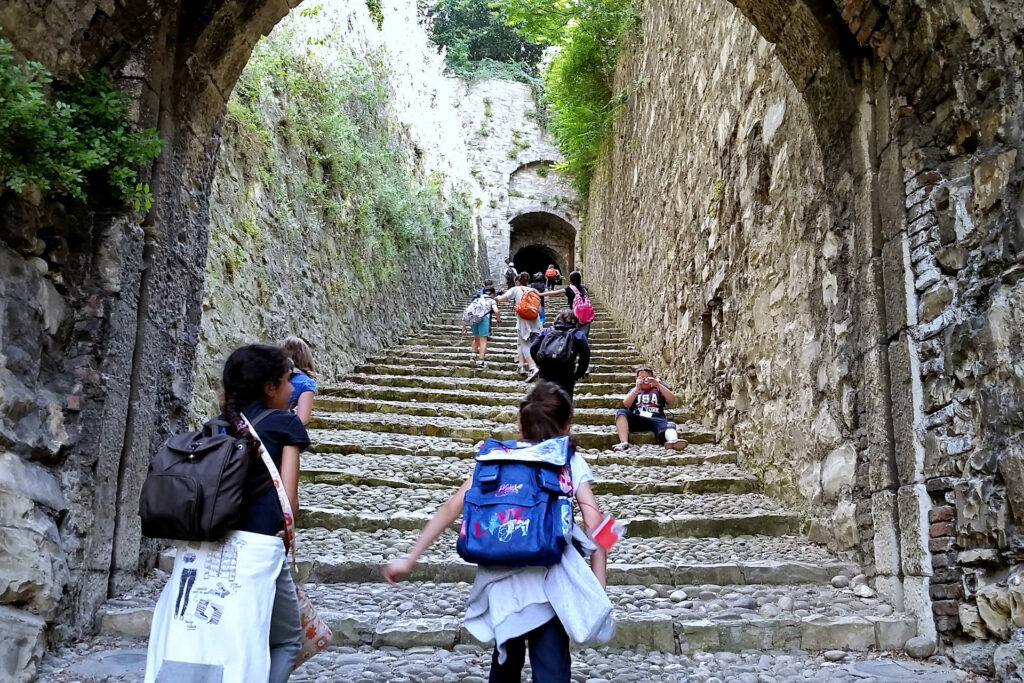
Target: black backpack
(557, 349)
(195, 484)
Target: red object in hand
(608, 533)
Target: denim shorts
(655, 423)
(482, 328)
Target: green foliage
(579, 81)
(72, 139)
(474, 32)
(358, 178)
(543, 171)
(376, 12)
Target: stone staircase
(708, 564)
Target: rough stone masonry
(827, 219)
(872, 326)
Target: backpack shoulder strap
(260, 416)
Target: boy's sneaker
(677, 445)
(482, 364)
(533, 375)
(621, 446)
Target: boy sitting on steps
(644, 411)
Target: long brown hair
(299, 352)
(544, 412)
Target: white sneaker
(533, 375)
(621, 446)
(483, 365)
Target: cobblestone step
(357, 441)
(494, 370)
(505, 386)
(326, 404)
(350, 506)
(349, 555)
(599, 437)
(401, 471)
(122, 659)
(457, 343)
(468, 397)
(672, 619)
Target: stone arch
(542, 234)
(181, 60)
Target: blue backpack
(518, 512)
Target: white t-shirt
(581, 472)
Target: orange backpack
(528, 307)
(551, 272)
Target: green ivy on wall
(73, 139)
(579, 81)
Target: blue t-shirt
(650, 401)
(301, 383)
(261, 509)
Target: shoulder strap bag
(316, 635)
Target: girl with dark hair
(545, 413)
(564, 372)
(256, 384)
(575, 289)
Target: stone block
(350, 629)
(838, 471)
(890, 589)
(33, 571)
(652, 631)
(976, 656)
(913, 504)
(891, 193)
(898, 285)
(886, 537)
(990, 178)
(827, 633)
(905, 391)
(917, 602)
(697, 636)
(892, 633)
(407, 633)
(21, 642)
(125, 620)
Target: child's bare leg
(482, 346)
(622, 428)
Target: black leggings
(549, 656)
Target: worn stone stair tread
(600, 437)
(672, 514)
(506, 386)
(326, 404)
(730, 618)
(496, 369)
(401, 471)
(601, 357)
(492, 398)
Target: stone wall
(714, 208)
(281, 262)
(507, 145)
(834, 267)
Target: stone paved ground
(713, 581)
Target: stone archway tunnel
(538, 239)
(820, 199)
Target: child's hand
(396, 570)
(639, 383)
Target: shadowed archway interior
(538, 239)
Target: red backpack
(582, 307)
(528, 307)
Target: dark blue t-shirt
(261, 509)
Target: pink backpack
(582, 307)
